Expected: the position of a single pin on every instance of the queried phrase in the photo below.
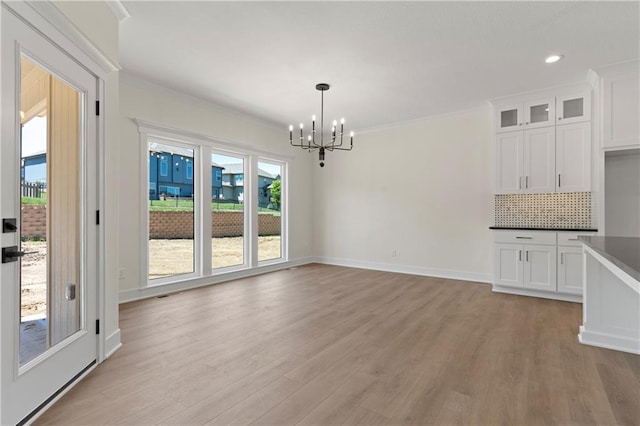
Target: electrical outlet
(121, 274)
(394, 253)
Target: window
(227, 215)
(171, 243)
(164, 165)
(197, 231)
(269, 218)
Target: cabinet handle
(526, 181)
(527, 255)
(574, 239)
(527, 123)
(520, 255)
(519, 182)
(558, 180)
(561, 258)
(559, 118)
(525, 238)
(519, 124)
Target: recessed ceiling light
(553, 58)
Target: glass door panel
(269, 208)
(51, 293)
(509, 118)
(540, 113)
(171, 210)
(227, 210)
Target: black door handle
(11, 254)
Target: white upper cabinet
(543, 143)
(573, 108)
(539, 160)
(540, 113)
(527, 115)
(509, 148)
(620, 102)
(525, 161)
(573, 157)
(509, 118)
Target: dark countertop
(545, 229)
(624, 252)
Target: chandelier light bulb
(313, 117)
(291, 127)
(351, 134)
(301, 126)
(342, 121)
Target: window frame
(203, 147)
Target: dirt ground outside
(174, 257)
(166, 258)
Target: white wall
(144, 101)
(622, 194)
(423, 189)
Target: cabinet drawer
(571, 238)
(525, 237)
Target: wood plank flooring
(327, 345)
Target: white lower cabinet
(539, 263)
(540, 267)
(525, 266)
(570, 275)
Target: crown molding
(48, 19)
(118, 9)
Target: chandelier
(311, 143)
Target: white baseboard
(407, 269)
(609, 341)
(112, 343)
(576, 298)
(158, 290)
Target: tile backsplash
(565, 210)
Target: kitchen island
(611, 299)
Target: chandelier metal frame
(311, 144)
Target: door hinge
(97, 326)
(97, 107)
(97, 217)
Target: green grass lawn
(34, 201)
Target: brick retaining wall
(171, 225)
(34, 221)
(167, 224)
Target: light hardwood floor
(330, 345)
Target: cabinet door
(509, 162)
(509, 118)
(573, 157)
(507, 264)
(573, 108)
(620, 110)
(540, 267)
(540, 113)
(570, 266)
(539, 160)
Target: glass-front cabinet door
(509, 118)
(539, 113)
(573, 108)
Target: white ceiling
(387, 62)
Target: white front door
(48, 203)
